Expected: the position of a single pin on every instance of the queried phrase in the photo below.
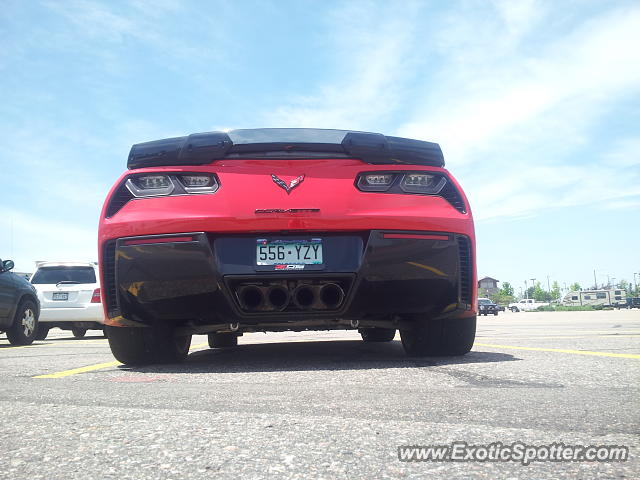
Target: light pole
(613, 280)
(526, 289)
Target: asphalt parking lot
(324, 404)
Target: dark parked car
(486, 307)
(19, 306)
(633, 302)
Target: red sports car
(222, 233)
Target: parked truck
(526, 304)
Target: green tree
(507, 289)
(575, 287)
(538, 294)
(555, 290)
(624, 285)
(501, 299)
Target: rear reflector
(143, 241)
(416, 236)
(95, 298)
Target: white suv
(69, 295)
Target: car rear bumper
(89, 313)
(201, 279)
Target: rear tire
(142, 346)
(377, 334)
(223, 340)
(448, 337)
(42, 332)
(78, 332)
(25, 324)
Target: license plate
(60, 296)
(289, 252)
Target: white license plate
(60, 296)
(289, 252)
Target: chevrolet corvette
(266, 230)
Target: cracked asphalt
(324, 404)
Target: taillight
(401, 182)
(412, 183)
(375, 182)
(193, 183)
(422, 183)
(150, 185)
(160, 185)
(95, 298)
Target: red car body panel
(246, 186)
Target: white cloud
(26, 238)
(374, 61)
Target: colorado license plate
(289, 252)
(60, 296)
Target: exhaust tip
(331, 295)
(251, 297)
(303, 296)
(278, 297)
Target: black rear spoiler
(204, 148)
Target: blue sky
(536, 105)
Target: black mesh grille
(466, 270)
(450, 194)
(119, 199)
(109, 273)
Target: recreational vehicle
(613, 298)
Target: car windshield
(50, 275)
(484, 301)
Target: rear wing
(286, 143)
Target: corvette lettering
(287, 210)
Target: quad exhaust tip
(251, 297)
(331, 295)
(278, 297)
(304, 296)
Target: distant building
(487, 286)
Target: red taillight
(95, 298)
(416, 236)
(143, 241)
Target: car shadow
(96, 336)
(310, 355)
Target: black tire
(223, 340)
(448, 337)
(78, 332)
(515, 309)
(495, 313)
(143, 346)
(42, 332)
(25, 324)
(377, 334)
